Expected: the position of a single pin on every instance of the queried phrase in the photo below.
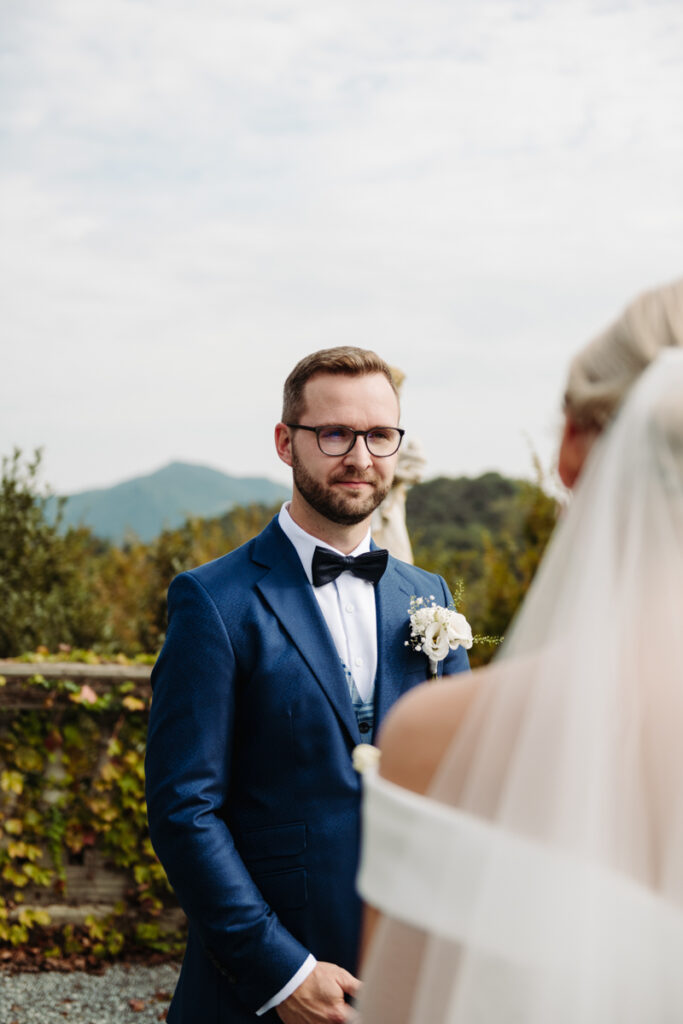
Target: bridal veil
(541, 881)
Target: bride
(524, 838)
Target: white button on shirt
(347, 604)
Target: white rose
(459, 631)
(436, 643)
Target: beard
(344, 509)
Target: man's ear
(283, 443)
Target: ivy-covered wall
(72, 795)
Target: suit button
(364, 727)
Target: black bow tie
(327, 565)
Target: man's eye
(334, 433)
(379, 434)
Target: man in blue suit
(280, 657)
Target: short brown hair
(343, 360)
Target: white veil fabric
(541, 880)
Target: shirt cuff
(306, 968)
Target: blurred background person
(389, 528)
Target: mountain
(146, 505)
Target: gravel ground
(124, 994)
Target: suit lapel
(393, 593)
(290, 597)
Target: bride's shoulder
(421, 726)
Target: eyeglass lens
(339, 440)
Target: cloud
(196, 195)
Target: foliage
(493, 574)
(46, 574)
(67, 587)
(72, 784)
(132, 581)
(456, 512)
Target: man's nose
(359, 456)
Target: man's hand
(320, 998)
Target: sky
(193, 196)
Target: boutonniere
(435, 630)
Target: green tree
(455, 512)
(509, 527)
(132, 580)
(46, 574)
(510, 562)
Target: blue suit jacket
(253, 802)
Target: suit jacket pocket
(275, 841)
(283, 890)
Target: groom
(280, 657)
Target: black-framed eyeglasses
(338, 440)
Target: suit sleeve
(188, 761)
(457, 660)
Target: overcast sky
(195, 195)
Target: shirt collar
(305, 543)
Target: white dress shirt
(347, 604)
(348, 607)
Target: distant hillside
(453, 512)
(146, 505)
(448, 512)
